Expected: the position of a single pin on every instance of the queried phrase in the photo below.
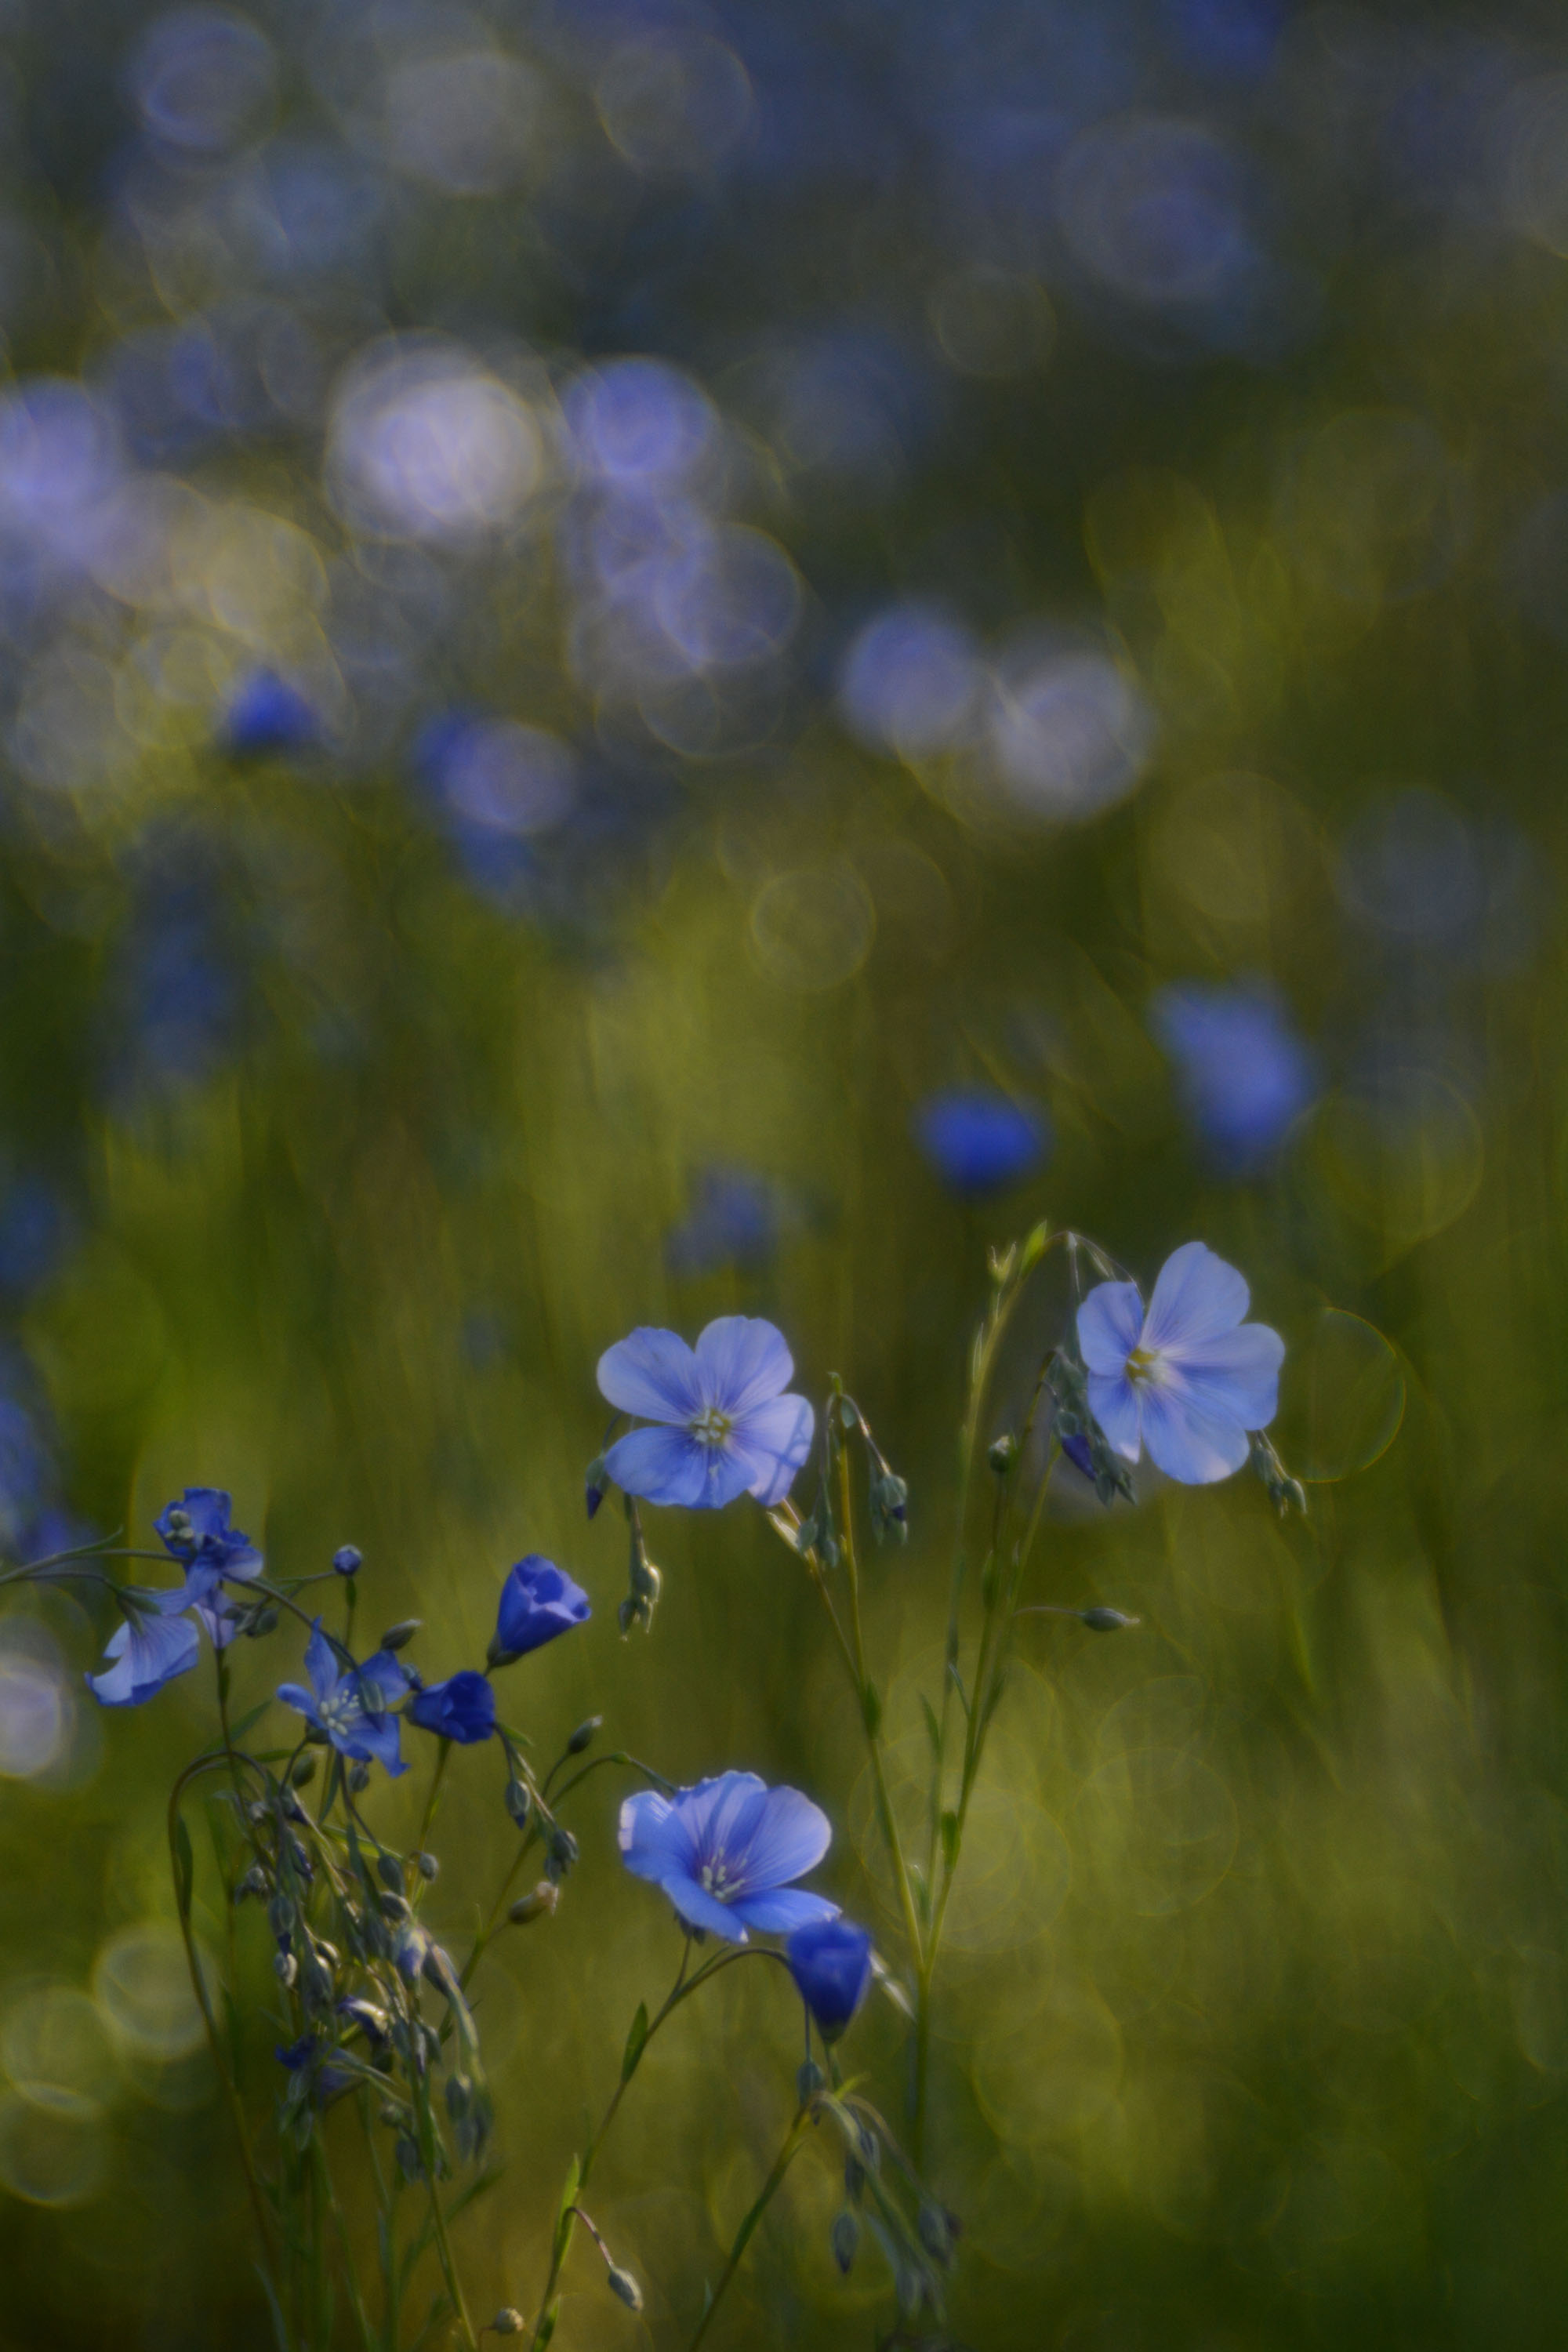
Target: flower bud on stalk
(540, 1904)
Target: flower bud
(393, 1906)
(594, 1484)
(259, 1621)
(399, 1636)
(583, 1735)
(507, 2320)
(358, 1779)
(519, 1801)
(937, 2229)
(1002, 1452)
(302, 1771)
(1106, 1621)
(389, 1870)
(540, 1904)
(560, 1851)
(348, 1560)
(427, 1866)
(285, 1967)
(253, 1882)
(844, 2238)
(621, 2283)
(280, 1913)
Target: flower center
(1142, 1364)
(716, 1880)
(339, 1709)
(711, 1427)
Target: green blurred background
(1253, 2028)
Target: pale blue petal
(293, 1694)
(712, 1806)
(661, 1465)
(1197, 1297)
(321, 1664)
(1113, 1401)
(1232, 1378)
(379, 1740)
(700, 1909)
(241, 1566)
(1110, 1326)
(652, 1372)
(742, 1361)
(655, 1837)
(788, 1837)
(150, 1653)
(784, 1910)
(1196, 1448)
(775, 1439)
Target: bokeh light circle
(49, 2154)
(1159, 1828)
(1344, 1393)
(812, 928)
(142, 1987)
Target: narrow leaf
(637, 2041)
(933, 1728)
(872, 1703)
(950, 1840)
(184, 1866)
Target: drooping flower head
(352, 1705)
(726, 1427)
(1188, 1378)
(830, 1961)
(462, 1708)
(196, 1532)
(153, 1645)
(979, 1140)
(538, 1601)
(725, 1852)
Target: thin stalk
(426, 2123)
(884, 1800)
(774, 2181)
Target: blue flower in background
(351, 1705)
(1244, 1075)
(538, 1601)
(462, 1708)
(830, 1961)
(266, 714)
(734, 1221)
(728, 1427)
(980, 1140)
(725, 1852)
(153, 1645)
(1189, 1378)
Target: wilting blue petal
(1110, 1326)
(1196, 1297)
(788, 1837)
(700, 1909)
(654, 1373)
(1234, 1376)
(664, 1465)
(782, 1909)
(149, 1651)
(831, 1964)
(462, 1708)
(321, 1664)
(1194, 1447)
(656, 1837)
(1113, 1401)
(538, 1601)
(774, 1439)
(375, 1740)
(742, 1361)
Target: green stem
(891, 1833)
(426, 2123)
(785, 2157)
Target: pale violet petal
(784, 1910)
(742, 1361)
(1195, 1448)
(661, 1465)
(1234, 1378)
(713, 1805)
(320, 1662)
(1110, 1326)
(1113, 1401)
(788, 1837)
(1197, 1297)
(700, 1909)
(775, 1439)
(655, 1837)
(651, 1372)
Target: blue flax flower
(196, 1532)
(463, 1708)
(1189, 1378)
(980, 1141)
(830, 1961)
(725, 1852)
(154, 1645)
(538, 1601)
(727, 1426)
(1244, 1075)
(351, 1705)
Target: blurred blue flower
(462, 1708)
(265, 714)
(981, 1142)
(734, 1221)
(1189, 1378)
(728, 1427)
(35, 1233)
(351, 1705)
(538, 1601)
(153, 1645)
(830, 1961)
(1245, 1076)
(910, 682)
(725, 1852)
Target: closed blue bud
(462, 1708)
(981, 1142)
(830, 1961)
(348, 1559)
(538, 1601)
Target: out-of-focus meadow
(615, 620)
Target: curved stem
(785, 2157)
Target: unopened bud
(285, 1967)
(540, 1904)
(280, 1913)
(583, 1735)
(427, 1866)
(621, 2283)
(519, 1801)
(560, 1851)
(399, 1636)
(844, 2238)
(507, 2320)
(253, 1882)
(348, 1560)
(392, 1905)
(594, 1484)
(302, 1771)
(937, 2229)
(389, 1870)
(358, 1779)
(1106, 1621)
(260, 1621)
(1003, 1454)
